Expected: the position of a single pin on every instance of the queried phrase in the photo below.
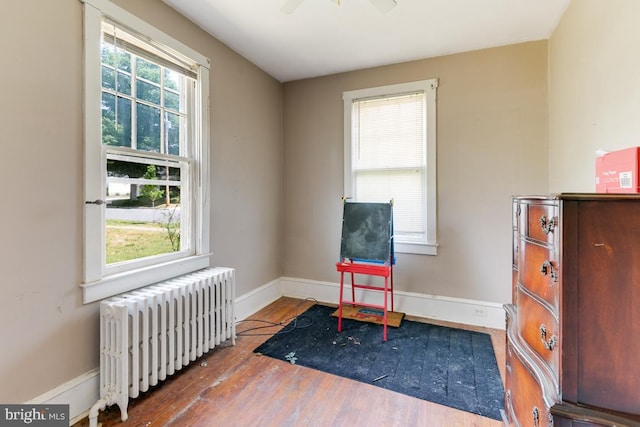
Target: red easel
(367, 249)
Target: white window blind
(389, 162)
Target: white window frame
(430, 244)
(99, 281)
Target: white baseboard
(457, 310)
(82, 392)
(257, 299)
(79, 393)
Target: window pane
(148, 71)
(116, 121)
(140, 223)
(135, 170)
(108, 106)
(173, 87)
(148, 92)
(172, 126)
(404, 187)
(171, 80)
(124, 83)
(172, 100)
(115, 58)
(108, 54)
(124, 61)
(137, 229)
(124, 120)
(148, 128)
(122, 169)
(108, 77)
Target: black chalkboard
(367, 231)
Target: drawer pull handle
(547, 268)
(547, 224)
(549, 344)
(536, 416)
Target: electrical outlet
(480, 311)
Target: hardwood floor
(232, 386)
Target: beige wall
(47, 337)
(594, 88)
(492, 133)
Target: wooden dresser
(573, 329)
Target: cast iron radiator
(153, 332)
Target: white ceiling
(322, 37)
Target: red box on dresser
(617, 171)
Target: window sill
(416, 248)
(127, 281)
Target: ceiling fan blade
(384, 6)
(290, 6)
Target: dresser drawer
(539, 329)
(524, 404)
(541, 222)
(539, 271)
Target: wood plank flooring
(232, 386)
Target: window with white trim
(146, 154)
(390, 154)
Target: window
(146, 154)
(390, 154)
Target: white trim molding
(257, 299)
(79, 393)
(448, 309)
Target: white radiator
(149, 334)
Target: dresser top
(579, 196)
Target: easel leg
(391, 275)
(353, 289)
(340, 302)
(384, 331)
